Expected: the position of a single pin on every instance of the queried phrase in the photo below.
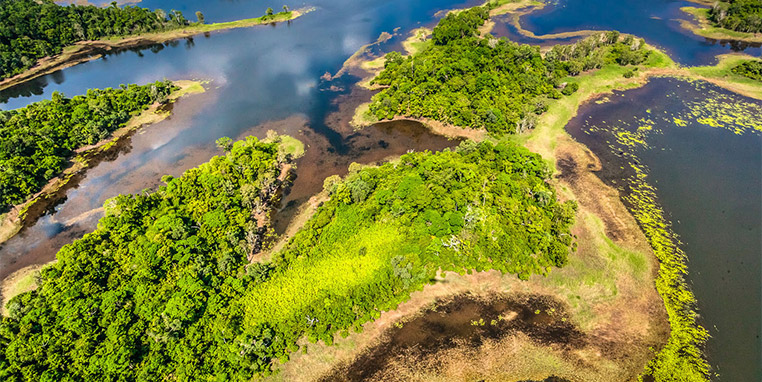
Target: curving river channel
(273, 78)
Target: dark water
(462, 320)
(709, 182)
(654, 20)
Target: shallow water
(462, 320)
(709, 182)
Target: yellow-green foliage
(682, 358)
(387, 231)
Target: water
(269, 78)
(263, 78)
(654, 20)
(709, 181)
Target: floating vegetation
(682, 357)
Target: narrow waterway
(703, 152)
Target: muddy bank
(463, 320)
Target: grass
(23, 280)
(418, 41)
(291, 146)
(305, 280)
(704, 27)
(363, 117)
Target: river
(269, 78)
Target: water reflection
(262, 78)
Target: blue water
(654, 20)
(709, 182)
(264, 74)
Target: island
(727, 20)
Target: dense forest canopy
(36, 141)
(163, 289)
(495, 84)
(738, 15)
(148, 295)
(32, 29)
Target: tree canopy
(494, 84)
(163, 288)
(32, 29)
(750, 69)
(37, 141)
(738, 15)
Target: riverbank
(86, 157)
(91, 50)
(702, 26)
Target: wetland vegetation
(178, 283)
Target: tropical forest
(355, 190)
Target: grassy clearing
(418, 41)
(288, 145)
(23, 280)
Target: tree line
(33, 29)
(483, 82)
(738, 15)
(37, 141)
(163, 288)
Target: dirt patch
(463, 320)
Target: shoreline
(702, 26)
(85, 51)
(21, 215)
